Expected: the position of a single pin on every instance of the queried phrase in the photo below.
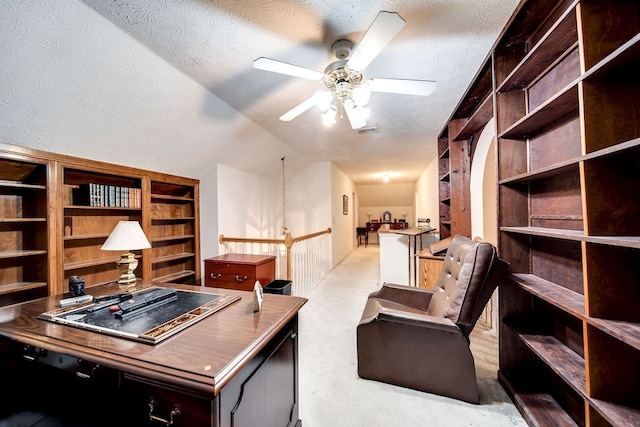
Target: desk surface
(413, 231)
(204, 357)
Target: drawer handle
(241, 279)
(216, 276)
(174, 412)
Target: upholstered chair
(419, 338)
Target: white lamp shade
(127, 236)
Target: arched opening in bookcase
(484, 208)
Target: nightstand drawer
(225, 275)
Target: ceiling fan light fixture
(343, 89)
(323, 100)
(329, 116)
(361, 94)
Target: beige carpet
(332, 394)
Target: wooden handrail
(287, 241)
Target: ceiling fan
(348, 90)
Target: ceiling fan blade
(272, 65)
(354, 114)
(407, 87)
(383, 29)
(299, 109)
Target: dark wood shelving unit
(25, 227)
(566, 97)
(173, 221)
(50, 228)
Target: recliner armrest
(417, 298)
(375, 309)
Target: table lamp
(127, 236)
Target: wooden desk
(234, 367)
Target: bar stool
(362, 232)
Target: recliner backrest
(469, 275)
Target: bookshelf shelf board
(174, 276)
(163, 197)
(626, 54)
(538, 408)
(172, 257)
(477, 121)
(553, 110)
(627, 332)
(22, 220)
(21, 286)
(576, 235)
(21, 185)
(617, 415)
(102, 208)
(87, 236)
(22, 253)
(560, 358)
(169, 238)
(92, 263)
(572, 165)
(173, 219)
(563, 298)
(561, 37)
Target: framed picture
(345, 205)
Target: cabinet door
(265, 393)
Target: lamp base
(126, 265)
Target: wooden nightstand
(239, 271)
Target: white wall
(308, 200)
(72, 82)
(392, 197)
(427, 204)
(248, 205)
(343, 231)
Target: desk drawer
(150, 403)
(230, 276)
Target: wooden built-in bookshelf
(52, 224)
(566, 97)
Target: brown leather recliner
(419, 338)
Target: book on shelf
(100, 195)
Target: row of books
(111, 196)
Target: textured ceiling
(214, 42)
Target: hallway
(332, 394)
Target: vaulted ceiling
(214, 42)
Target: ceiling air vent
(370, 129)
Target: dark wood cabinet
(566, 98)
(239, 271)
